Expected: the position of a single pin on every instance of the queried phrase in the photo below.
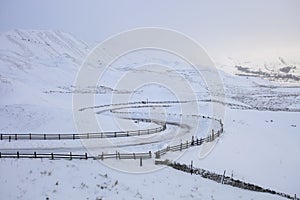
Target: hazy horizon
(228, 28)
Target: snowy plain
(38, 69)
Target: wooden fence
(74, 136)
(222, 178)
(85, 156)
(192, 143)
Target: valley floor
(257, 147)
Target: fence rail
(74, 136)
(85, 156)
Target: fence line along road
(194, 142)
(74, 136)
(84, 156)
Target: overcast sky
(219, 26)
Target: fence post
(187, 144)
(59, 136)
(157, 155)
(73, 136)
(16, 136)
(9, 138)
(29, 136)
(141, 162)
(86, 157)
(222, 181)
(44, 136)
(70, 155)
(180, 146)
(52, 156)
(192, 143)
(1, 136)
(134, 156)
(119, 155)
(18, 154)
(34, 154)
(150, 154)
(0, 154)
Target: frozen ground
(37, 74)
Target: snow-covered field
(260, 144)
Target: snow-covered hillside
(38, 69)
(33, 62)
